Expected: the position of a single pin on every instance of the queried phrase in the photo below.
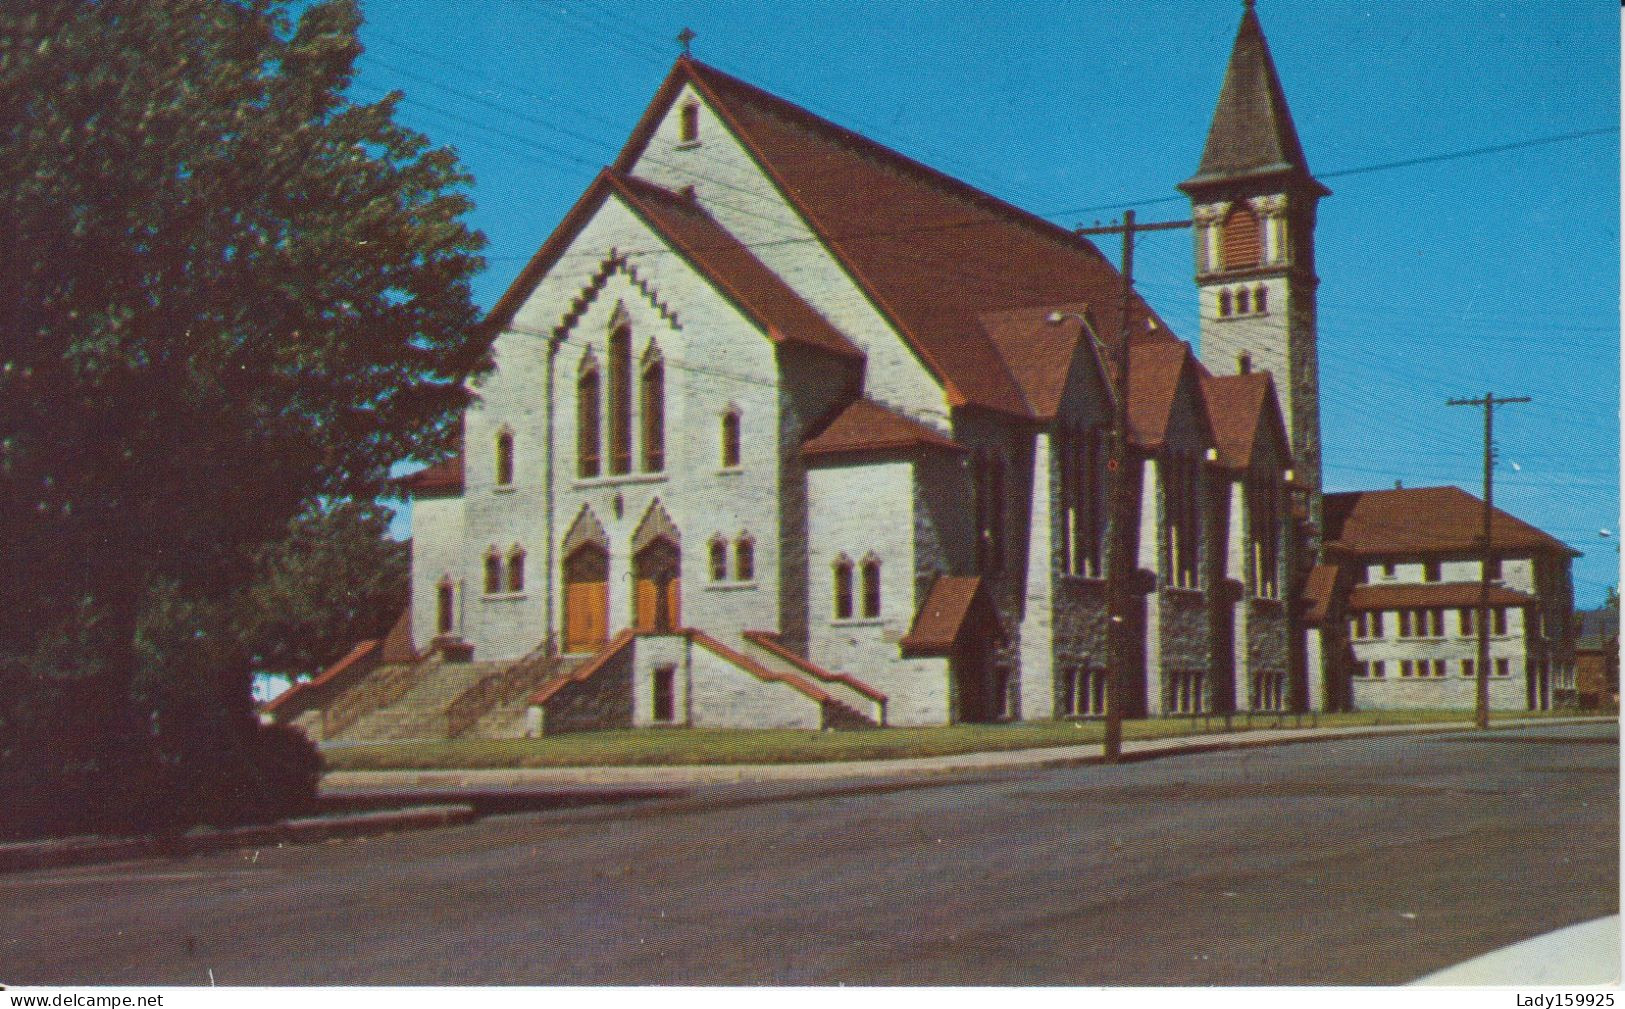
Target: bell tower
(1253, 202)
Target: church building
(787, 429)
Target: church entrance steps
(419, 711)
(863, 701)
(496, 706)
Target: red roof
(1155, 373)
(932, 253)
(1393, 597)
(1038, 352)
(1238, 408)
(725, 261)
(866, 426)
(942, 617)
(441, 478)
(1424, 520)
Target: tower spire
(1252, 132)
(1253, 200)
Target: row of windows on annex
(504, 574)
(1422, 623)
(744, 559)
(1432, 571)
(857, 588)
(1425, 668)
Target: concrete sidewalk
(694, 775)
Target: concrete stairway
(507, 720)
(421, 713)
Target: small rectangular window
(1388, 570)
(1499, 615)
(1438, 667)
(1379, 669)
(1465, 617)
(1503, 667)
(1362, 670)
(1469, 668)
(871, 588)
(1436, 623)
(1495, 569)
(1431, 571)
(665, 694)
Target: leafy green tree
(226, 292)
(336, 578)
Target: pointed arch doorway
(657, 572)
(586, 584)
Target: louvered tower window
(1243, 240)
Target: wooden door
(586, 599)
(657, 601)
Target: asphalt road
(1355, 862)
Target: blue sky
(1497, 272)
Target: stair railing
(501, 687)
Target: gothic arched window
(1224, 304)
(688, 124)
(588, 422)
(745, 559)
(620, 400)
(1260, 302)
(843, 588)
(719, 559)
(505, 459)
(516, 570)
(654, 414)
(1244, 302)
(493, 572)
(871, 586)
(445, 599)
(730, 440)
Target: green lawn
(644, 747)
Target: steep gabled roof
(1156, 370)
(1252, 133)
(866, 426)
(932, 253)
(1424, 520)
(725, 261)
(1239, 408)
(716, 254)
(1038, 352)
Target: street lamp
(1119, 553)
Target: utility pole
(1489, 403)
(1121, 564)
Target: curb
(308, 830)
(692, 775)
